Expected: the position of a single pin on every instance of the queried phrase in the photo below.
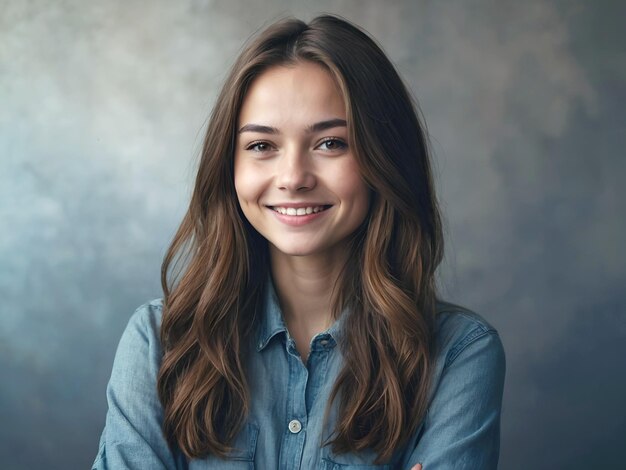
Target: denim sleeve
(462, 427)
(132, 436)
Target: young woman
(300, 326)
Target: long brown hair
(215, 270)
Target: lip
(298, 220)
(297, 205)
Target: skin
(292, 149)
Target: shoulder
(461, 427)
(140, 344)
(147, 317)
(458, 329)
(133, 436)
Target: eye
(332, 144)
(259, 146)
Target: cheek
(353, 188)
(362, 200)
(246, 182)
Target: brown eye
(259, 147)
(332, 144)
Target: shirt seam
(473, 336)
(156, 303)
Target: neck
(304, 285)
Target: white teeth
(299, 210)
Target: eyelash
(253, 146)
(341, 143)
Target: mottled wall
(102, 108)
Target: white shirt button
(295, 426)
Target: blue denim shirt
(288, 398)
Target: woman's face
(296, 177)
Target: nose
(294, 172)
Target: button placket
(293, 441)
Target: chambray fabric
(461, 429)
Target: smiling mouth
(300, 210)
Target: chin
(295, 250)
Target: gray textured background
(102, 109)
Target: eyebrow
(317, 127)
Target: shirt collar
(272, 322)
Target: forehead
(286, 93)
